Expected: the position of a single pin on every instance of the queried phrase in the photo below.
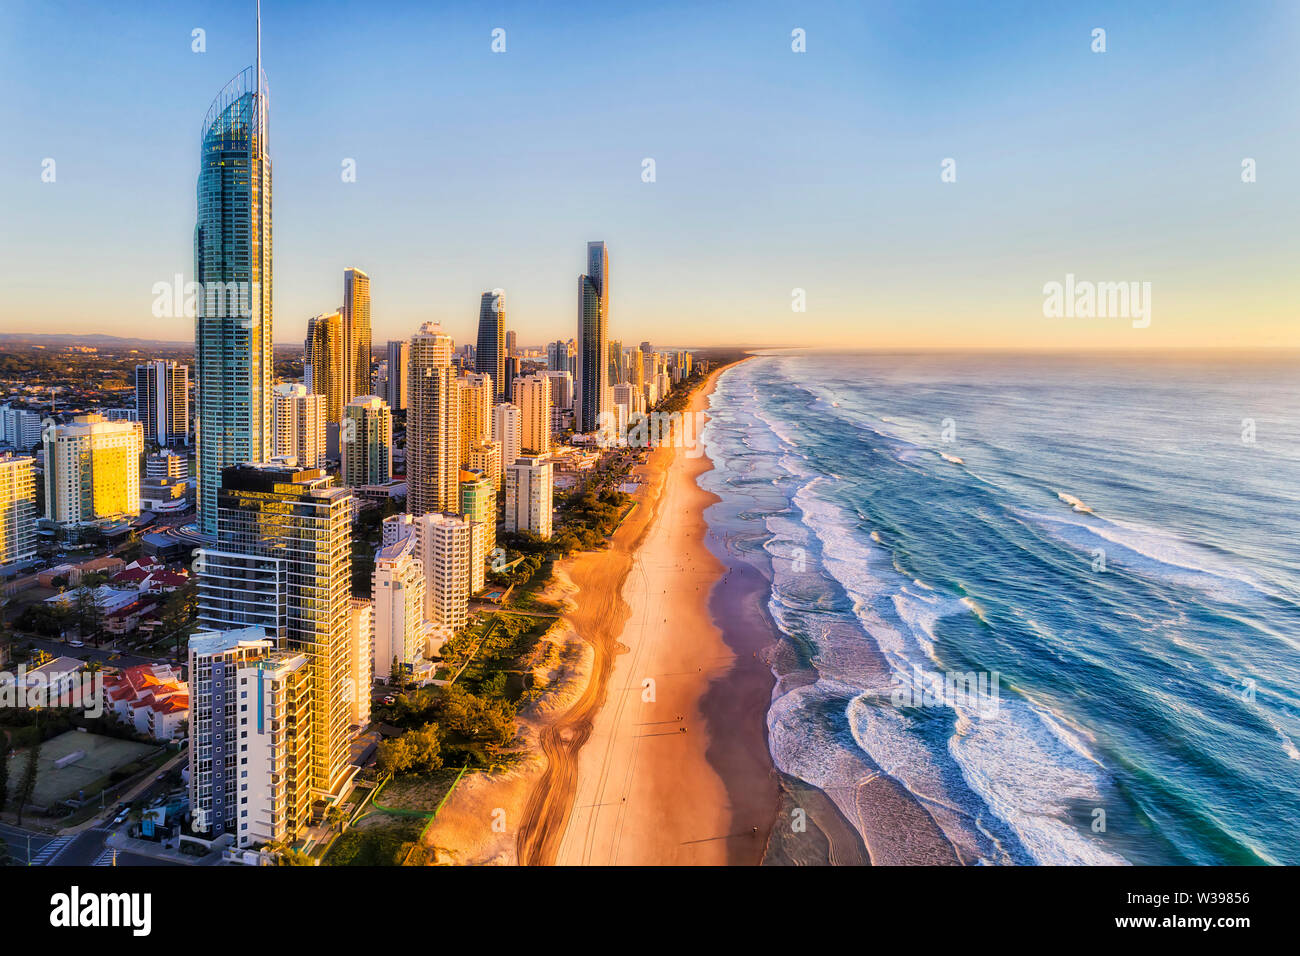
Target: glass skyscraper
(591, 386)
(490, 355)
(232, 265)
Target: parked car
(76, 643)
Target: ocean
(1111, 545)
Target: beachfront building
(591, 387)
(367, 442)
(92, 470)
(17, 508)
(250, 737)
(356, 334)
(530, 487)
(299, 418)
(401, 635)
(361, 661)
(432, 424)
(162, 402)
(284, 563)
(486, 457)
(445, 547)
(490, 355)
(233, 355)
(478, 503)
(533, 396)
(506, 431)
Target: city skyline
(828, 180)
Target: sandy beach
(664, 761)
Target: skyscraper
(591, 384)
(299, 424)
(512, 342)
(399, 362)
(446, 551)
(324, 357)
(433, 431)
(511, 373)
(476, 393)
(232, 265)
(284, 563)
(490, 356)
(162, 401)
(367, 441)
(533, 396)
(398, 625)
(356, 333)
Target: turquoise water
(1095, 533)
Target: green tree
(393, 756)
(27, 786)
(178, 611)
(425, 748)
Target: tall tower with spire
(232, 265)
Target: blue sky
(775, 170)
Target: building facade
(490, 354)
(366, 442)
(92, 470)
(324, 358)
(530, 490)
(433, 432)
(233, 266)
(162, 402)
(591, 385)
(299, 418)
(17, 508)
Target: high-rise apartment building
(486, 457)
(478, 503)
(533, 396)
(433, 432)
(162, 402)
(476, 391)
(490, 355)
(397, 588)
(512, 343)
(356, 333)
(530, 490)
(299, 424)
(251, 722)
(233, 266)
(445, 546)
(20, 428)
(17, 508)
(361, 663)
(366, 441)
(399, 370)
(92, 470)
(561, 388)
(592, 380)
(324, 358)
(284, 562)
(506, 431)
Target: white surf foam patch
(1019, 762)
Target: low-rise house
(151, 698)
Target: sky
(775, 170)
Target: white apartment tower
(530, 488)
